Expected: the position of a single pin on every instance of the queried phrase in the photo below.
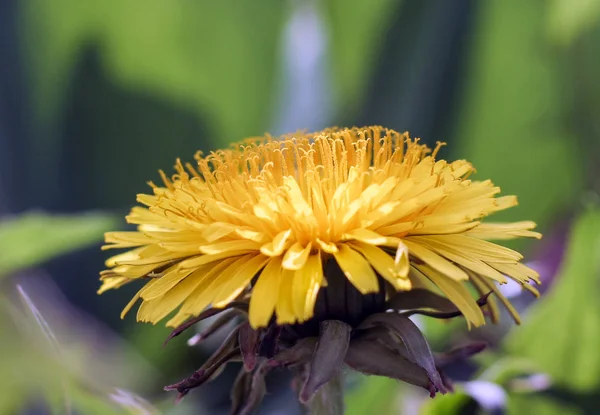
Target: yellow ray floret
(264, 216)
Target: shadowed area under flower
(320, 246)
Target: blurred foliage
(38, 370)
(562, 333)
(450, 404)
(28, 240)
(459, 403)
(354, 33)
(48, 361)
(513, 126)
(540, 404)
(181, 50)
(568, 19)
(372, 396)
(186, 76)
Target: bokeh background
(96, 96)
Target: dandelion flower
(317, 236)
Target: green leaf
(567, 19)
(449, 404)
(220, 58)
(33, 238)
(356, 29)
(502, 369)
(144, 83)
(82, 401)
(561, 334)
(519, 404)
(512, 124)
(373, 394)
(212, 56)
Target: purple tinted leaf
(228, 351)
(249, 340)
(268, 344)
(258, 389)
(240, 390)
(204, 315)
(219, 322)
(418, 299)
(200, 376)
(373, 358)
(328, 356)
(416, 346)
(229, 344)
(301, 352)
(482, 301)
(446, 381)
(459, 353)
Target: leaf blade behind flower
(562, 332)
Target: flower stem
(329, 399)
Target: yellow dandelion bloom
(263, 220)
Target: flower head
(338, 225)
(264, 217)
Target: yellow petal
(264, 294)
(486, 251)
(518, 272)
(197, 261)
(177, 320)
(296, 197)
(492, 301)
(278, 245)
(401, 260)
(383, 263)
(357, 269)
(165, 304)
(531, 289)
(234, 284)
(222, 247)
(505, 202)
(365, 235)
(148, 255)
(216, 231)
(306, 285)
(490, 285)
(451, 228)
(328, 247)
(112, 283)
(134, 300)
(164, 283)
(399, 228)
(285, 304)
(125, 239)
(125, 256)
(435, 261)
(464, 259)
(252, 235)
(206, 290)
(457, 293)
(296, 256)
(505, 230)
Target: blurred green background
(96, 96)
